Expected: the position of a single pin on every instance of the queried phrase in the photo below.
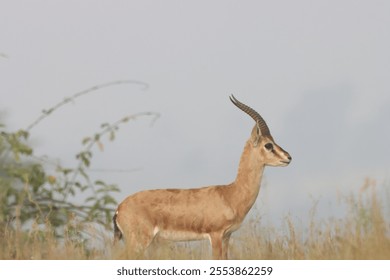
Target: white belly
(175, 235)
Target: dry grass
(362, 233)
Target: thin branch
(104, 170)
(46, 113)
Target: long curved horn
(253, 114)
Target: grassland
(363, 232)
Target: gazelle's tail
(117, 232)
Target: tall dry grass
(363, 232)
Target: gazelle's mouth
(285, 162)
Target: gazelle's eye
(269, 146)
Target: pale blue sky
(318, 72)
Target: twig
(46, 113)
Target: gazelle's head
(261, 139)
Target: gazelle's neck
(247, 184)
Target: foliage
(29, 194)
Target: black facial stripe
(279, 153)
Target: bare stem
(46, 113)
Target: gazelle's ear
(255, 135)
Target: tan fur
(212, 212)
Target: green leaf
(104, 125)
(65, 171)
(112, 135)
(89, 199)
(100, 183)
(83, 173)
(109, 200)
(125, 119)
(86, 140)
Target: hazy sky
(317, 71)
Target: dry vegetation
(362, 233)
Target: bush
(29, 195)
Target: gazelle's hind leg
(225, 245)
(219, 245)
(138, 234)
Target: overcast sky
(317, 71)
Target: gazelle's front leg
(216, 245)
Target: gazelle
(212, 212)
